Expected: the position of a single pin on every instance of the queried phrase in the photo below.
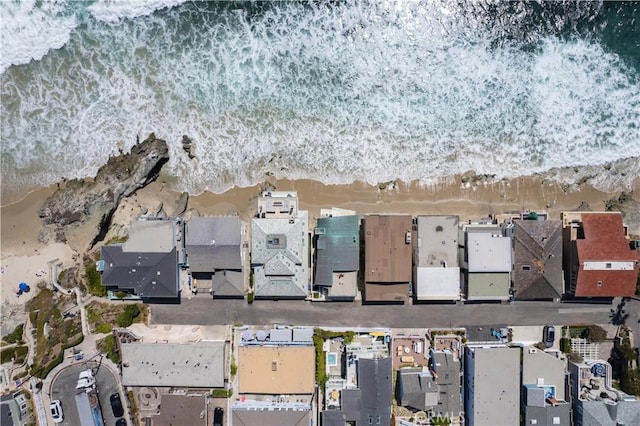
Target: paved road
(64, 389)
(204, 311)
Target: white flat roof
(488, 252)
(196, 365)
(438, 283)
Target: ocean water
(332, 91)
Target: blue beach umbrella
(23, 287)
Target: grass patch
(116, 240)
(104, 328)
(233, 367)
(92, 276)
(15, 336)
(103, 315)
(221, 393)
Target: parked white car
(86, 380)
(56, 411)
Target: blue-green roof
(337, 247)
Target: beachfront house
(387, 248)
(214, 255)
(146, 266)
(599, 259)
(337, 257)
(280, 248)
(537, 259)
(486, 261)
(436, 272)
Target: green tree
(594, 333)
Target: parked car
(218, 414)
(121, 422)
(548, 335)
(116, 405)
(56, 411)
(86, 380)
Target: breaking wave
(370, 91)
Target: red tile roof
(604, 240)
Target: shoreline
(610, 177)
(21, 250)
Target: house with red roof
(600, 260)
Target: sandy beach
(23, 256)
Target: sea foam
(30, 29)
(359, 91)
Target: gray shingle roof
(228, 283)
(149, 275)
(448, 371)
(418, 389)
(373, 398)
(333, 418)
(213, 243)
(338, 248)
(279, 250)
(537, 249)
(595, 413)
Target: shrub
(125, 319)
(594, 333)
(93, 279)
(109, 346)
(565, 345)
(6, 355)
(575, 357)
(250, 297)
(121, 294)
(21, 354)
(15, 336)
(42, 372)
(103, 328)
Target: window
(526, 267)
(599, 283)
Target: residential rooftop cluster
(290, 375)
(376, 258)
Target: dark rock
(189, 147)
(584, 207)
(90, 204)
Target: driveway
(64, 389)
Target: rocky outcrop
(189, 147)
(83, 208)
